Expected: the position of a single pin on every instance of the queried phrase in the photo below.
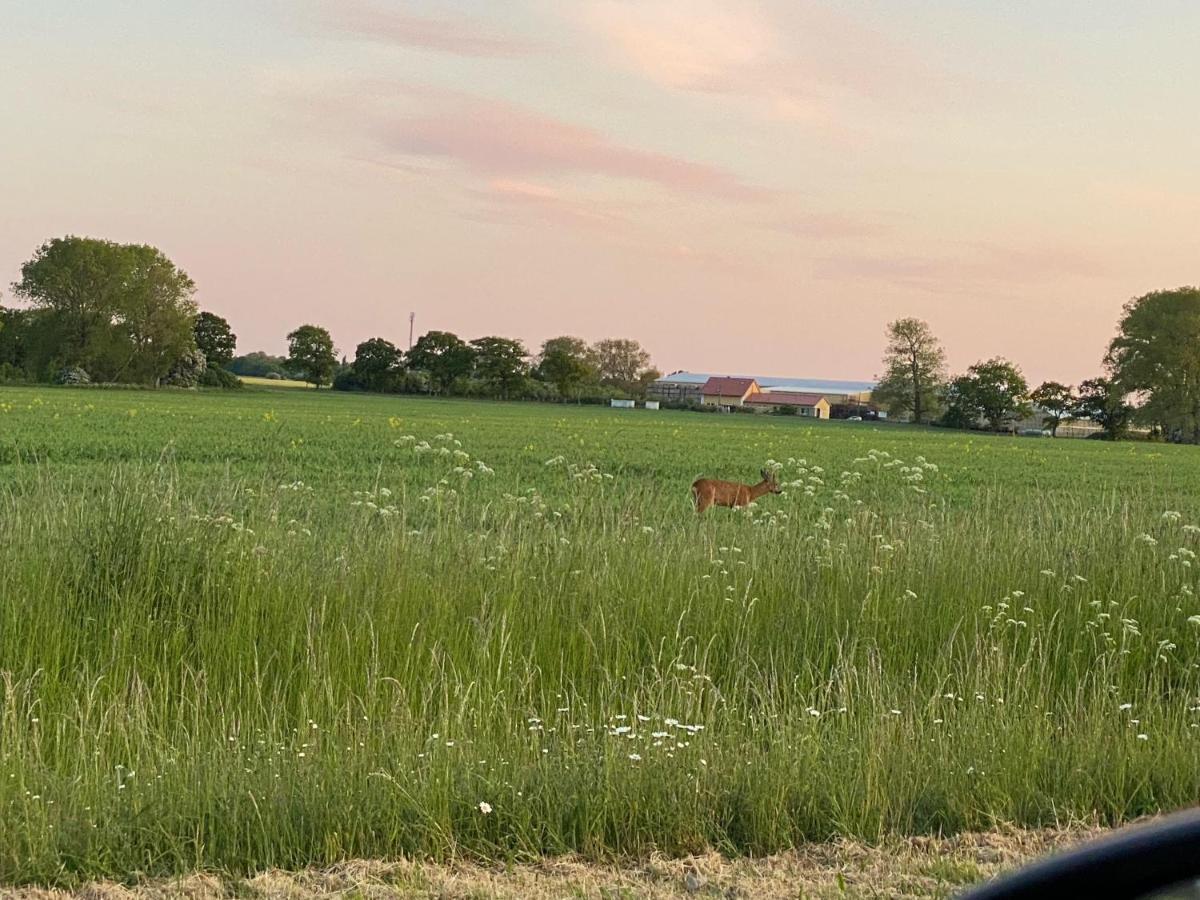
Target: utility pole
(411, 318)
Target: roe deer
(707, 491)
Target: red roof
(727, 387)
(785, 398)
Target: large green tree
(623, 364)
(502, 364)
(155, 315)
(215, 339)
(1057, 401)
(122, 311)
(914, 370)
(378, 365)
(994, 391)
(567, 363)
(79, 281)
(1102, 400)
(1156, 357)
(311, 353)
(444, 356)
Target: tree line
(99, 311)
(440, 362)
(1150, 378)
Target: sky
(749, 187)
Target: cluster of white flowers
(376, 502)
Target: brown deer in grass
(709, 491)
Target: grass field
(283, 629)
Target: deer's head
(772, 481)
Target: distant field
(282, 629)
(251, 381)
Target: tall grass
(293, 653)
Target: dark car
(1158, 860)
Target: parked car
(1159, 860)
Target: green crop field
(286, 628)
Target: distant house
(812, 405)
(718, 391)
(688, 387)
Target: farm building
(688, 387)
(812, 405)
(719, 391)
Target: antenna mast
(411, 318)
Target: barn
(814, 406)
(719, 391)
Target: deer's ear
(765, 474)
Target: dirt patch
(916, 867)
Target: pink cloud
(793, 62)
(458, 36)
(499, 139)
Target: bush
(414, 382)
(258, 365)
(72, 375)
(346, 380)
(215, 377)
(188, 369)
(10, 374)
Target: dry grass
(915, 867)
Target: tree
(1102, 400)
(1057, 401)
(15, 327)
(567, 363)
(79, 282)
(645, 378)
(311, 353)
(501, 363)
(994, 391)
(914, 367)
(122, 311)
(215, 339)
(378, 365)
(155, 316)
(445, 356)
(1156, 356)
(621, 363)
